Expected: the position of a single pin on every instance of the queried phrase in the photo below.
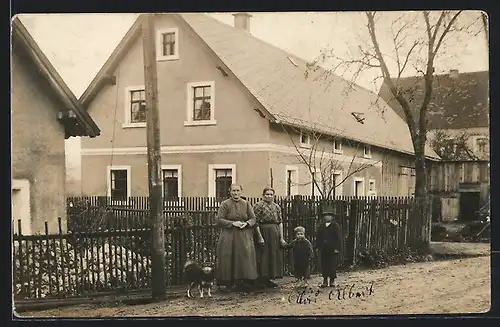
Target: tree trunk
(420, 175)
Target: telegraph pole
(158, 280)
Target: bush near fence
(108, 244)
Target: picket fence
(107, 246)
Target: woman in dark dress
(270, 230)
(236, 261)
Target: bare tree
(417, 39)
(452, 147)
(323, 164)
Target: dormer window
(305, 140)
(337, 145)
(367, 151)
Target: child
(328, 242)
(302, 252)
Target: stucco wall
(37, 145)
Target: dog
(202, 276)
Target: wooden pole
(158, 280)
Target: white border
(23, 185)
(340, 150)
(159, 44)
(339, 190)
(126, 104)
(358, 179)
(305, 145)
(294, 189)
(129, 179)
(189, 104)
(211, 176)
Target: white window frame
(23, 186)
(211, 176)
(337, 141)
(367, 154)
(317, 191)
(374, 192)
(358, 179)
(339, 190)
(308, 138)
(189, 104)
(159, 44)
(294, 189)
(127, 114)
(129, 181)
(179, 181)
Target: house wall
(37, 144)
(237, 121)
(387, 167)
(446, 177)
(252, 171)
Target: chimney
(454, 73)
(242, 21)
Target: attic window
(305, 140)
(293, 62)
(367, 151)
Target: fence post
(351, 238)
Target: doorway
(469, 205)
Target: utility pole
(158, 280)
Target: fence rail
(107, 246)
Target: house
(458, 120)
(44, 113)
(235, 109)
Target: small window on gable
(167, 44)
(367, 151)
(135, 106)
(305, 139)
(337, 145)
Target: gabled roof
(82, 124)
(458, 102)
(276, 80)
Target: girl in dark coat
(329, 243)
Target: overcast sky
(79, 44)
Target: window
(338, 182)
(171, 178)
(482, 145)
(305, 139)
(337, 145)
(359, 187)
(371, 187)
(291, 181)
(200, 106)
(367, 151)
(315, 183)
(119, 183)
(135, 106)
(167, 47)
(220, 179)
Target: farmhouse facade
(44, 112)
(235, 109)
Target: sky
(79, 44)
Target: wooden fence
(107, 246)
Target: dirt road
(455, 286)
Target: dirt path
(455, 286)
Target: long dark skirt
(270, 255)
(236, 259)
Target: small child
(329, 243)
(302, 251)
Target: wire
(108, 178)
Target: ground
(451, 286)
